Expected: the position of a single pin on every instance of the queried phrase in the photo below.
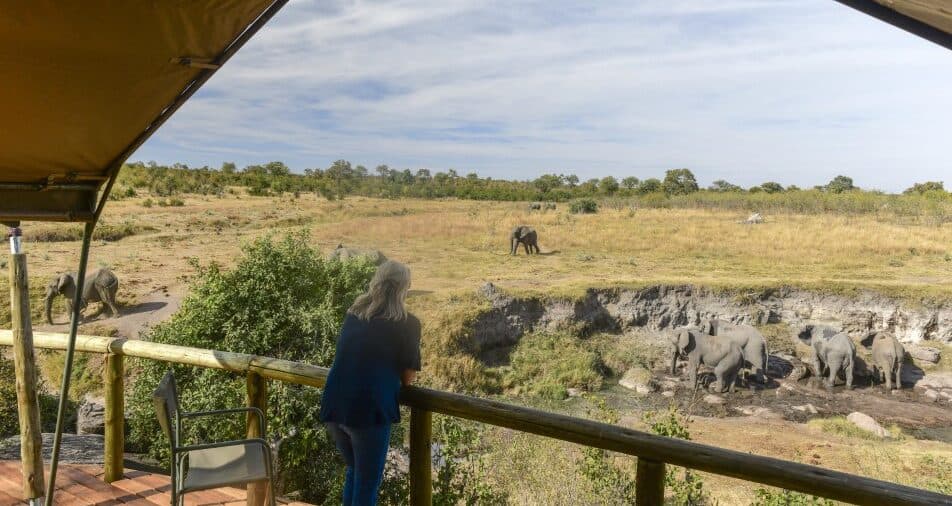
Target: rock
(573, 392)
(866, 422)
(638, 379)
(931, 395)
(74, 449)
(667, 393)
(936, 381)
(945, 394)
(807, 408)
(758, 411)
(930, 355)
(785, 390)
(714, 399)
(91, 418)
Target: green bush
(583, 206)
(546, 365)
(281, 300)
(9, 422)
(788, 498)
(689, 489)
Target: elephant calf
(831, 349)
(526, 236)
(751, 342)
(720, 353)
(100, 286)
(888, 355)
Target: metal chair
(212, 465)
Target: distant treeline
(678, 188)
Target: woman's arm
(406, 379)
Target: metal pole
(70, 351)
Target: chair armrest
(249, 409)
(221, 444)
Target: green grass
(547, 364)
(840, 426)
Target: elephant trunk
(674, 359)
(49, 309)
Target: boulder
(638, 379)
(931, 395)
(573, 392)
(929, 355)
(74, 449)
(936, 381)
(758, 411)
(807, 408)
(714, 400)
(667, 393)
(866, 422)
(91, 417)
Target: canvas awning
(85, 83)
(929, 19)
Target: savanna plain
(455, 248)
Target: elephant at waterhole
(831, 350)
(100, 286)
(751, 342)
(717, 352)
(526, 236)
(888, 355)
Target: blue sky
(795, 91)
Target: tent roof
(85, 83)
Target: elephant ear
(684, 340)
(64, 282)
(871, 336)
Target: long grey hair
(387, 293)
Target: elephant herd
(729, 348)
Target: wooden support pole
(115, 418)
(28, 406)
(649, 483)
(257, 398)
(421, 471)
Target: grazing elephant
(100, 286)
(342, 252)
(535, 206)
(831, 349)
(750, 340)
(722, 354)
(888, 355)
(525, 235)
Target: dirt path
(150, 309)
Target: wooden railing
(653, 452)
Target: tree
(342, 175)
(228, 168)
(772, 187)
(423, 175)
(840, 184)
(679, 182)
(630, 182)
(723, 186)
(928, 186)
(608, 185)
(650, 185)
(547, 182)
(383, 171)
(571, 180)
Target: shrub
(147, 203)
(584, 206)
(176, 202)
(547, 365)
(788, 498)
(283, 300)
(688, 490)
(461, 469)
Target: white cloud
(794, 91)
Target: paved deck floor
(82, 485)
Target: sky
(794, 91)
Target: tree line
(342, 179)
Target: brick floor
(82, 485)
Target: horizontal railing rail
(653, 451)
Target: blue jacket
(363, 385)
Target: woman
(378, 350)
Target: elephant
(831, 349)
(720, 353)
(100, 286)
(888, 355)
(750, 340)
(549, 206)
(526, 236)
(535, 206)
(342, 252)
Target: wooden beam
(257, 398)
(114, 379)
(24, 363)
(649, 482)
(421, 468)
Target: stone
(758, 411)
(667, 393)
(573, 392)
(638, 379)
(930, 355)
(807, 408)
(931, 395)
(714, 400)
(74, 449)
(937, 381)
(91, 417)
(867, 423)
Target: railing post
(257, 398)
(115, 418)
(24, 363)
(649, 483)
(421, 473)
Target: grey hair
(387, 293)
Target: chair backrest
(165, 399)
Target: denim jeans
(365, 452)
